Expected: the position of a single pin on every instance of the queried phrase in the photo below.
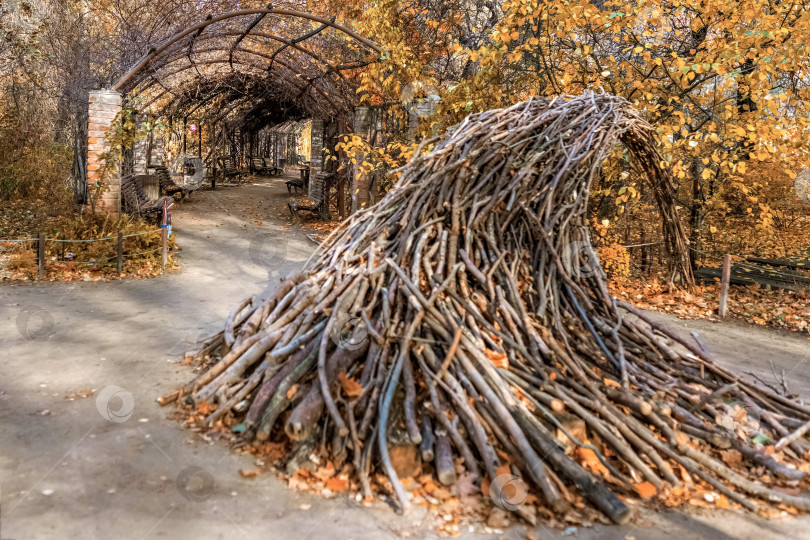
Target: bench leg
(293, 212)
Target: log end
(168, 398)
(447, 477)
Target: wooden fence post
(726, 278)
(41, 256)
(120, 253)
(164, 244)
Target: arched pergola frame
(251, 67)
(130, 80)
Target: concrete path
(79, 466)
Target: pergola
(241, 70)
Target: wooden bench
(263, 165)
(257, 165)
(227, 165)
(318, 204)
(168, 186)
(270, 168)
(299, 183)
(134, 200)
(295, 184)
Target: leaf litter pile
(454, 338)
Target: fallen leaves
(338, 484)
(587, 458)
(779, 308)
(249, 473)
(350, 386)
(645, 490)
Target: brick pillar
(315, 152)
(360, 179)
(104, 106)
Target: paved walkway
(70, 468)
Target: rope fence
(68, 256)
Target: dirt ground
(109, 464)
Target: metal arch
(119, 84)
(244, 34)
(224, 47)
(253, 35)
(177, 55)
(299, 39)
(259, 71)
(231, 94)
(304, 77)
(254, 66)
(214, 93)
(293, 45)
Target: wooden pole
(120, 253)
(724, 286)
(41, 256)
(164, 244)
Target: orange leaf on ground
(645, 490)
(351, 387)
(721, 501)
(206, 408)
(249, 473)
(338, 483)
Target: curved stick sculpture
(465, 312)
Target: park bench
(257, 165)
(263, 165)
(299, 183)
(303, 181)
(319, 198)
(168, 187)
(227, 165)
(270, 168)
(135, 201)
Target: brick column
(315, 152)
(104, 106)
(360, 179)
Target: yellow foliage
(615, 261)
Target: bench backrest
(228, 163)
(134, 197)
(318, 186)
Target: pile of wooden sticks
(466, 313)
